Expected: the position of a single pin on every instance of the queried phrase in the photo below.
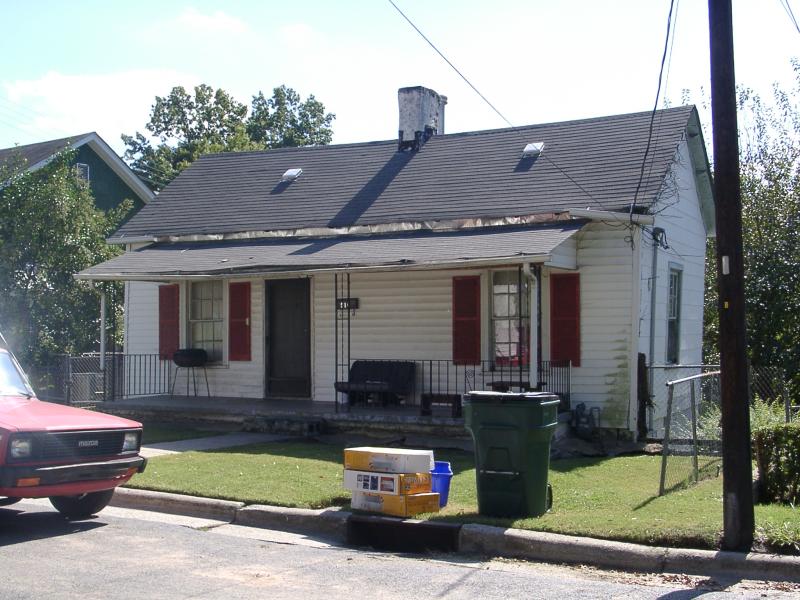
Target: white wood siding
(243, 379)
(604, 260)
(402, 315)
(679, 215)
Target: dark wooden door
(288, 342)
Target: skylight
(291, 175)
(533, 150)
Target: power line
(460, 74)
(666, 80)
(511, 125)
(655, 108)
(790, 12)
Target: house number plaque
(347, 303)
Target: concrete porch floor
(288, 416)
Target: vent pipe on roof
(421, 116)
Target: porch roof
(418, 249)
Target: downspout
(657, 234)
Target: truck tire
(82, 506)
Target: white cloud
(216, 22)
(57, 105)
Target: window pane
(216, 309)
(500, 304)
(196, 335)
(502, 333)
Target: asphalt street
(126, 553)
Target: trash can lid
(478, 397)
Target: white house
(483, 257)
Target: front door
(288, 343)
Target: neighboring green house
(111, 180)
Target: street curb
(480, 539)
(749, 566)
(537, 545)
(176, 504)
(552, 547)
(329, 522)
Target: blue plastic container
(440, 480)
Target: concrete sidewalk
(227, 440)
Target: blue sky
(90, 65)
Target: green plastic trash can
(512, 434)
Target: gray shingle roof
(587, 163)
(35, 153)
(292, 254)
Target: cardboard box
(398, 506)
(388, 460)
(387, 483)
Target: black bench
(385, 380)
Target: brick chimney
(421, 116)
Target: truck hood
(18, 413)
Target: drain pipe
(657, 236)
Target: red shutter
(239, 321)
(565, 318)
(467, 320)
(168, 320)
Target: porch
(145, 386)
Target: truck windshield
(12, 382)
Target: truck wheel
(82, 506)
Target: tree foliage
(770, 180)
(188, 125)
(50, 230)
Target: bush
(762, 414)
(777, 453)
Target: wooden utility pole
(737, 483)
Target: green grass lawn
(610, 498)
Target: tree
(770, 179)
(50, 230)
(188, 126)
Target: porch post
(103, 330)
(534, 327)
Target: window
(206, 318)
(674, 316)
(565, 318)
(82, 172)
(510, 319)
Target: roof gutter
(258, 272)
(610, 216)
(324, 232)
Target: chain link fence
(85, 380)
(686, 411)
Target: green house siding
(108, 188)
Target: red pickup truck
(72, 456)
